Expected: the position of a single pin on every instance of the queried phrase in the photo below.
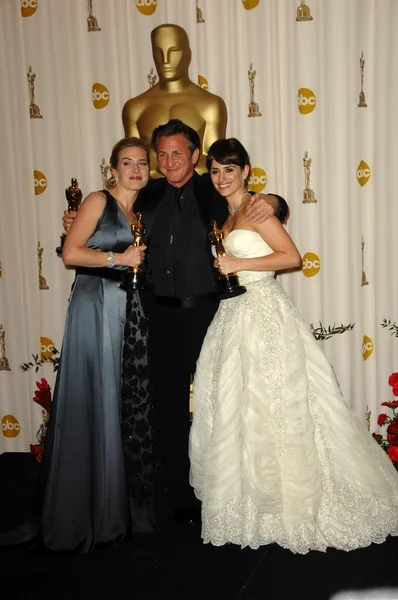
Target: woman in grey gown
(85, 491)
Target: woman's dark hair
(176, 127)
(228, 152)
(128, 142)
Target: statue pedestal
(35, 112)
(58, 249)
(303, 13)
(362, 101)
(309, 197)
(4, 365)
(92, 24)
(43, 283)
(254, 110)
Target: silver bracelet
(111, 259)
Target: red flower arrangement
(43, 398)
(390, 444)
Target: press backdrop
(62, 91)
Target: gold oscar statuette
(362, 99)
(308, 194)
(199, 14)
(4, 365)
(42, 280)
(254, 110)
(73, 197)
(152, 78)
(364, 280)
(229, 284)
(368, 416)
(174, 95)
(107, 182)
(135, 278)
(92, 23)
(34, 110)
(303, 12)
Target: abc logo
(46, 349)
(258, 180)
(202, 81)
(10, 426)
(311, 264)
(40, 182)
(367, 347)
(28, 7)
(100, 95)
(306, 101)
(249, 4)
(363, 173)
(146, 7)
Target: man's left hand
(261, 207)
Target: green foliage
(393, 327)
(323, 333)
(39, 361)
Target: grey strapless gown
(85, 498)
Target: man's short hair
(176, 127)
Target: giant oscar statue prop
(135, 278)
(229, 284)
(174, 96)
(73, 197)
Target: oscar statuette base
(362, 100)
(230, 287)
(92, 24)
(303, 13)
(4, 365)
(58, 249)
(43, 283)
(364, 280)
(35, 112)
(309, 197)
(134, 280)
(254, 110)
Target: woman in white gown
(276, 454)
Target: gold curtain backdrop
(311, 89)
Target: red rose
(377, 437)
(381, 419)
(392, 404)
(43, 394)
(37, 452)
(392, 433)
(395, 390)
(393, 379)
(393, 453)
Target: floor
(177, 565)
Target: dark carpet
(176, 564)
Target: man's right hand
(67, 219)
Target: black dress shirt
(191, 242)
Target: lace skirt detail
(276, 454)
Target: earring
(116, 176)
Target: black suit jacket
(211, 205)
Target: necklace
(233, 211)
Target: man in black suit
(177, 211)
